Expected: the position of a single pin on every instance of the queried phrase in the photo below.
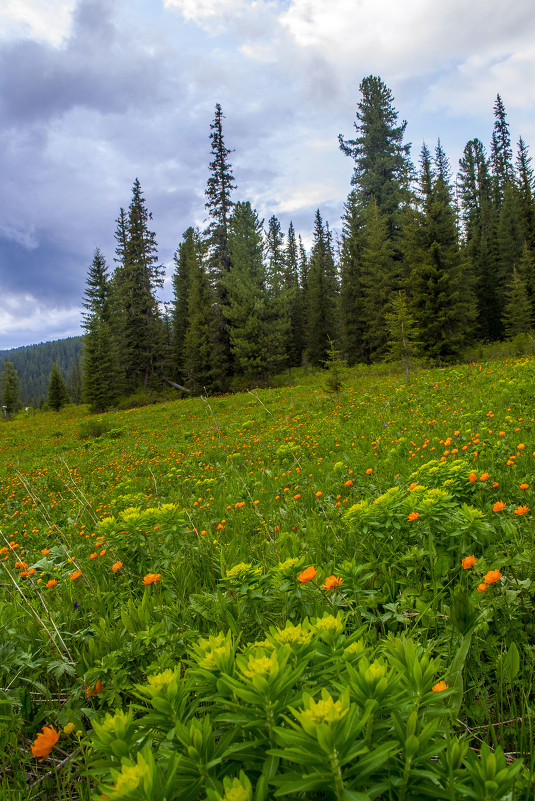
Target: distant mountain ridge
(34, 362)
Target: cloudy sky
(94, 93)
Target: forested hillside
(33, 364)
(427, 264)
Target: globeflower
(116, 566)
(96, 689)
(45, 742)
(51, 583)
(492, 576)
(151, 578)
(413, 516)
(331, 582)
(498, 506)
(307, 575)
(468, 562)
(76, 574)
(472, 477)
(481, 587)
(440, 686)
(521, 510)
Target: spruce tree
(382, 165)
(219, 204)
(479, 221)
(518, 309)
(57, 391)
(321, 296)
(200, 359)
(100, 360)
(247, 306)
(442, 297)
(10, 383)
(138, 282)
(525, 183)
(352, 321)
(96, 297)
(501, 153)
(378, 281)
(189, 250)
(297, 317)
(280, 293)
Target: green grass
(387, 488)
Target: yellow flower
(69, 728)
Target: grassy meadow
(282, 593)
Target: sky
(97, 93)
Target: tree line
(33, 364)
(424, 265)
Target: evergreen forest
(428, 263)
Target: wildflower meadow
(283, 593)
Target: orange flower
(492, 576)
(116, 566)
(468, 562)
(483, 476)
(239, 504)
(94, 555)
(413, 486)
(472, 477)
(369, 471)
(331, 582)
(524, 486)
(45, 742)
(348, 483)
(150, 578)
(440, 686)
(296, 497)
(498, 506)
(45, 551)
(520, 446)
(481, 587)
(413, 516)
(521, 510)
(96, 690)
(51, 583)
(318, 494)
(307, 575)
(76, 574)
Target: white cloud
(199, 10)
(24, 318)
(49, 20)
(407, 41)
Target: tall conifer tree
(139, 280)
(321, 296)
(219, 204)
